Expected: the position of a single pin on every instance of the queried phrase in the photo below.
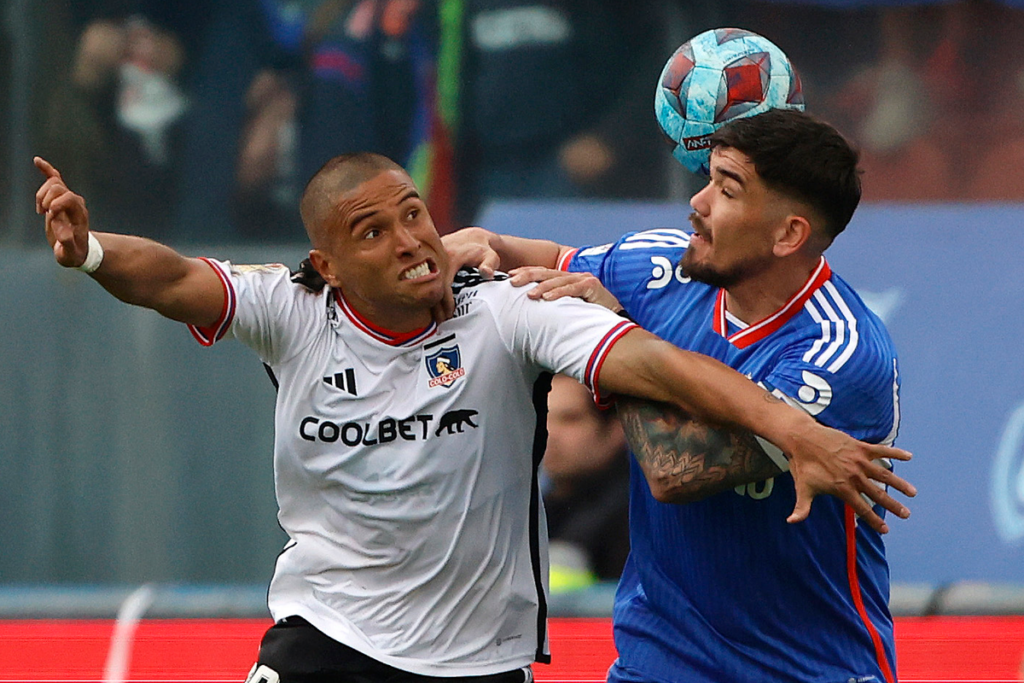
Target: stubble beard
(708, 274)
(701, 272)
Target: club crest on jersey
(444, 366)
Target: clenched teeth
(419, 271)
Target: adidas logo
(346, 381)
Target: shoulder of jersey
(306, 276)
(306, 279)
(839, 327)
(258, 267)
(657, 238)
(466, 278)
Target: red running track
(928, 649)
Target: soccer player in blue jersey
(722, 588)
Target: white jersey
(406, 465)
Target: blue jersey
(725, 589)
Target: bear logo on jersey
(444, 366)
(453, 421)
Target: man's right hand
(136, 270)
(487, 252)
(471, 247)
(67, 219)
(468, 247)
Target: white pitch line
(120, 655)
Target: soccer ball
(718, 75)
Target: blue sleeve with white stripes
(629, 266)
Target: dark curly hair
(801, 157)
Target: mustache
(698, 223)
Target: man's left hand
(555, 284)
(849, 472)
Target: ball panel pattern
(717, 76)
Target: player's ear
(791, 235)
(325, 266)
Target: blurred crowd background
(196, 121)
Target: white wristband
(95, 256)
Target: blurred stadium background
(129, 457)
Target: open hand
(849, 470)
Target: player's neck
(761, 295)
(390, 318)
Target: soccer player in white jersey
(406, 451)
(721, 588)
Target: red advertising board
(928, 649)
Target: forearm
(685, 460)
(716, 393)
(647, 367)
(145, 273)
(821, 460)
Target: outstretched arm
(134, 269)
(685, 459)
(822, 459)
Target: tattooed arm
(685, 459)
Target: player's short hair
(339, 175)
(801, 157)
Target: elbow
(661, 489)
(667, 490)
(664, 494)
